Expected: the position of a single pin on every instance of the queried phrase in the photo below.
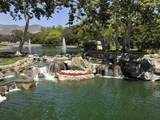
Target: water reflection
(96, 99)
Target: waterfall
(9, 76)
(2, 98)
(47, 75)
(64, 47)
(108, 71)
(18, 53)
(51, 68)
(12, 88)
(35, 72)
(113, 73)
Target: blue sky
(60, 18)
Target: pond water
(51, 51)
(96, 99)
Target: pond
(39, 50)
(53, 50)
(97, 99)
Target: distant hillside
(7, 29)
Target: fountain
(64, 47)
(29, 47)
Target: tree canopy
(124, 23)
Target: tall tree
(4, 6)
(28, 9)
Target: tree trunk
(127, 41)
(24, 35)
(129, 36)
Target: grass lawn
(2, 46)
(7, 61)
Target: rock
(18, 66)
(117, 71)
(26, 85)
(2, 90)
(144, 68)
(156, 63)
(78, 61)
(1, 76)
(57, 66)
(131, 70)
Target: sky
(60, 18)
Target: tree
(146, 34)
(4, 6)
(71, 36)
(132, 21)
(49, 36)
(125, 15)
(28, 9)
(17, 35)
(54, 36)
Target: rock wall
(141, 68)
(16, 67)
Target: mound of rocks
(16, 67)
(143, 68)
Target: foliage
(5, 38)
(7, 61)
(49, 36)
(124, 24)
(71, 37)
(17, 35)
(27, 9)
(4, 6)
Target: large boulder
(156, 63)
(140, 68)
(57, 66)
(131, 69)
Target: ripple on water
(98, 99)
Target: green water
(98, 99)
(51, 51)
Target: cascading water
(107, 71)
(113, 72)
(35, 72)
(45, 72)
(2, 98)
(12, 88)
(8, 89)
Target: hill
(7, 29)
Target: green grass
(7, 61)
(2, 46)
